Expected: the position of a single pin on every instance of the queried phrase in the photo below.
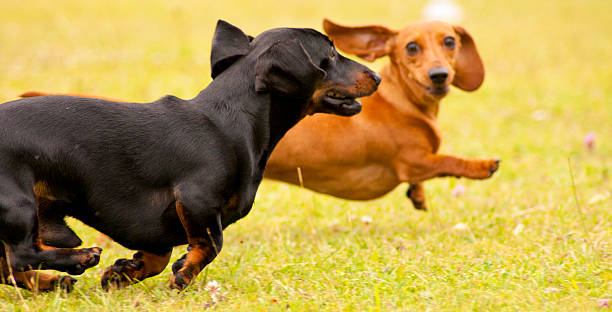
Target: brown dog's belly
(354, 183)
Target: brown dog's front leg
(205, 241)
(469, 168)
(125, 272)
(417, 168)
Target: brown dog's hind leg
(416, 193)
(125, 272)
(205, 241)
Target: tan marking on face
(42, 190)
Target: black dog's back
(119, 158)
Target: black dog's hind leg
(19, 230)
(205, 237)
(34, 281)
(52, 228)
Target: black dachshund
(157, 175)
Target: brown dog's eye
(449, 43)
(413, 48)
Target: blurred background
(545, 100)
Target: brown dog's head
(296, 63)
(426, 57)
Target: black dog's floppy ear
(229, 43)
(285, 68)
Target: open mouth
(435, 90)
(341, 103)
(438, 90)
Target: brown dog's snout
(438, 75)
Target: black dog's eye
(324, 63)
(449, 43)
(413, 48)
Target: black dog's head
(296, 63)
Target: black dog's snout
(438, 75)
(376, 77)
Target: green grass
(300, 251)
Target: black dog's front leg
(205, 238)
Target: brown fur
(396, 137)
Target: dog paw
(65, 283)
(121, 274)
(87, 258)
(417, 198)
(483, 169)
(494, 165)
(179, 281)
(176, 266)
(419, 205)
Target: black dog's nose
(438, 75)
(376, 77)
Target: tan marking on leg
(143, 265)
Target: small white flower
(598, 198)
(518, 229)
(550, 290)
(458, 190)
(367, 220)
(214, 289)
(212, 286)
(460, 226)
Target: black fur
(121, 167)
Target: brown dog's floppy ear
(229, 43)
(286, 69)
(469, 71)
(367, 42)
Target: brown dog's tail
(37, 93)
(33, 94)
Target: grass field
(525, 240)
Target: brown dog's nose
(438, 75)
(376, 77)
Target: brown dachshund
(396, 137)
